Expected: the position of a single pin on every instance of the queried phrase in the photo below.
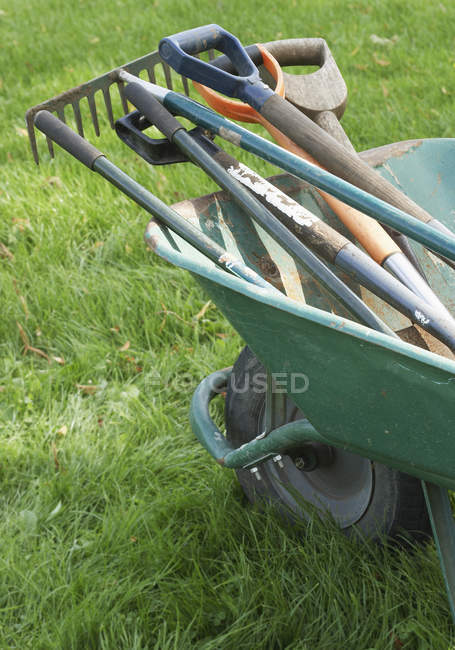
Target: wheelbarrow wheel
(363, 496)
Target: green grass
(117, 530)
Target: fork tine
(93, 113)
(108, 104)
(78, 118)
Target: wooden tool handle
(334, 157)
(368, 232)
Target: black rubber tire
(396, 508)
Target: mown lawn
(117, 530)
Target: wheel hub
(331, 479)
(311, 456)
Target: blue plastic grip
(178, 51)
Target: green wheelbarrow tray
(384, 399)
(364, 392)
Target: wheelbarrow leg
(443, 525)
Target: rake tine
(50, 146)
(61, 114)
(78, 118)
(151, 75)
(121, 86)
(32, 136)
(167, 75)
(108, 104)
(185, 86)
(93, 113)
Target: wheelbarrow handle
(178, 51)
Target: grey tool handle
(72, 142)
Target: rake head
(102, 84)
(87, 90)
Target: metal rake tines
(88, 89)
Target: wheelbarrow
(320, 409)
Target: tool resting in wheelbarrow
(175, 132)
(178, 51)
(330, 245)
(270, 446)
(439, 321)
(435, 321)
(322, 96)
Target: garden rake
(101, 85)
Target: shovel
(368, 232)
(322, 95)
(178, 51)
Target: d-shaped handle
(179, 50)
